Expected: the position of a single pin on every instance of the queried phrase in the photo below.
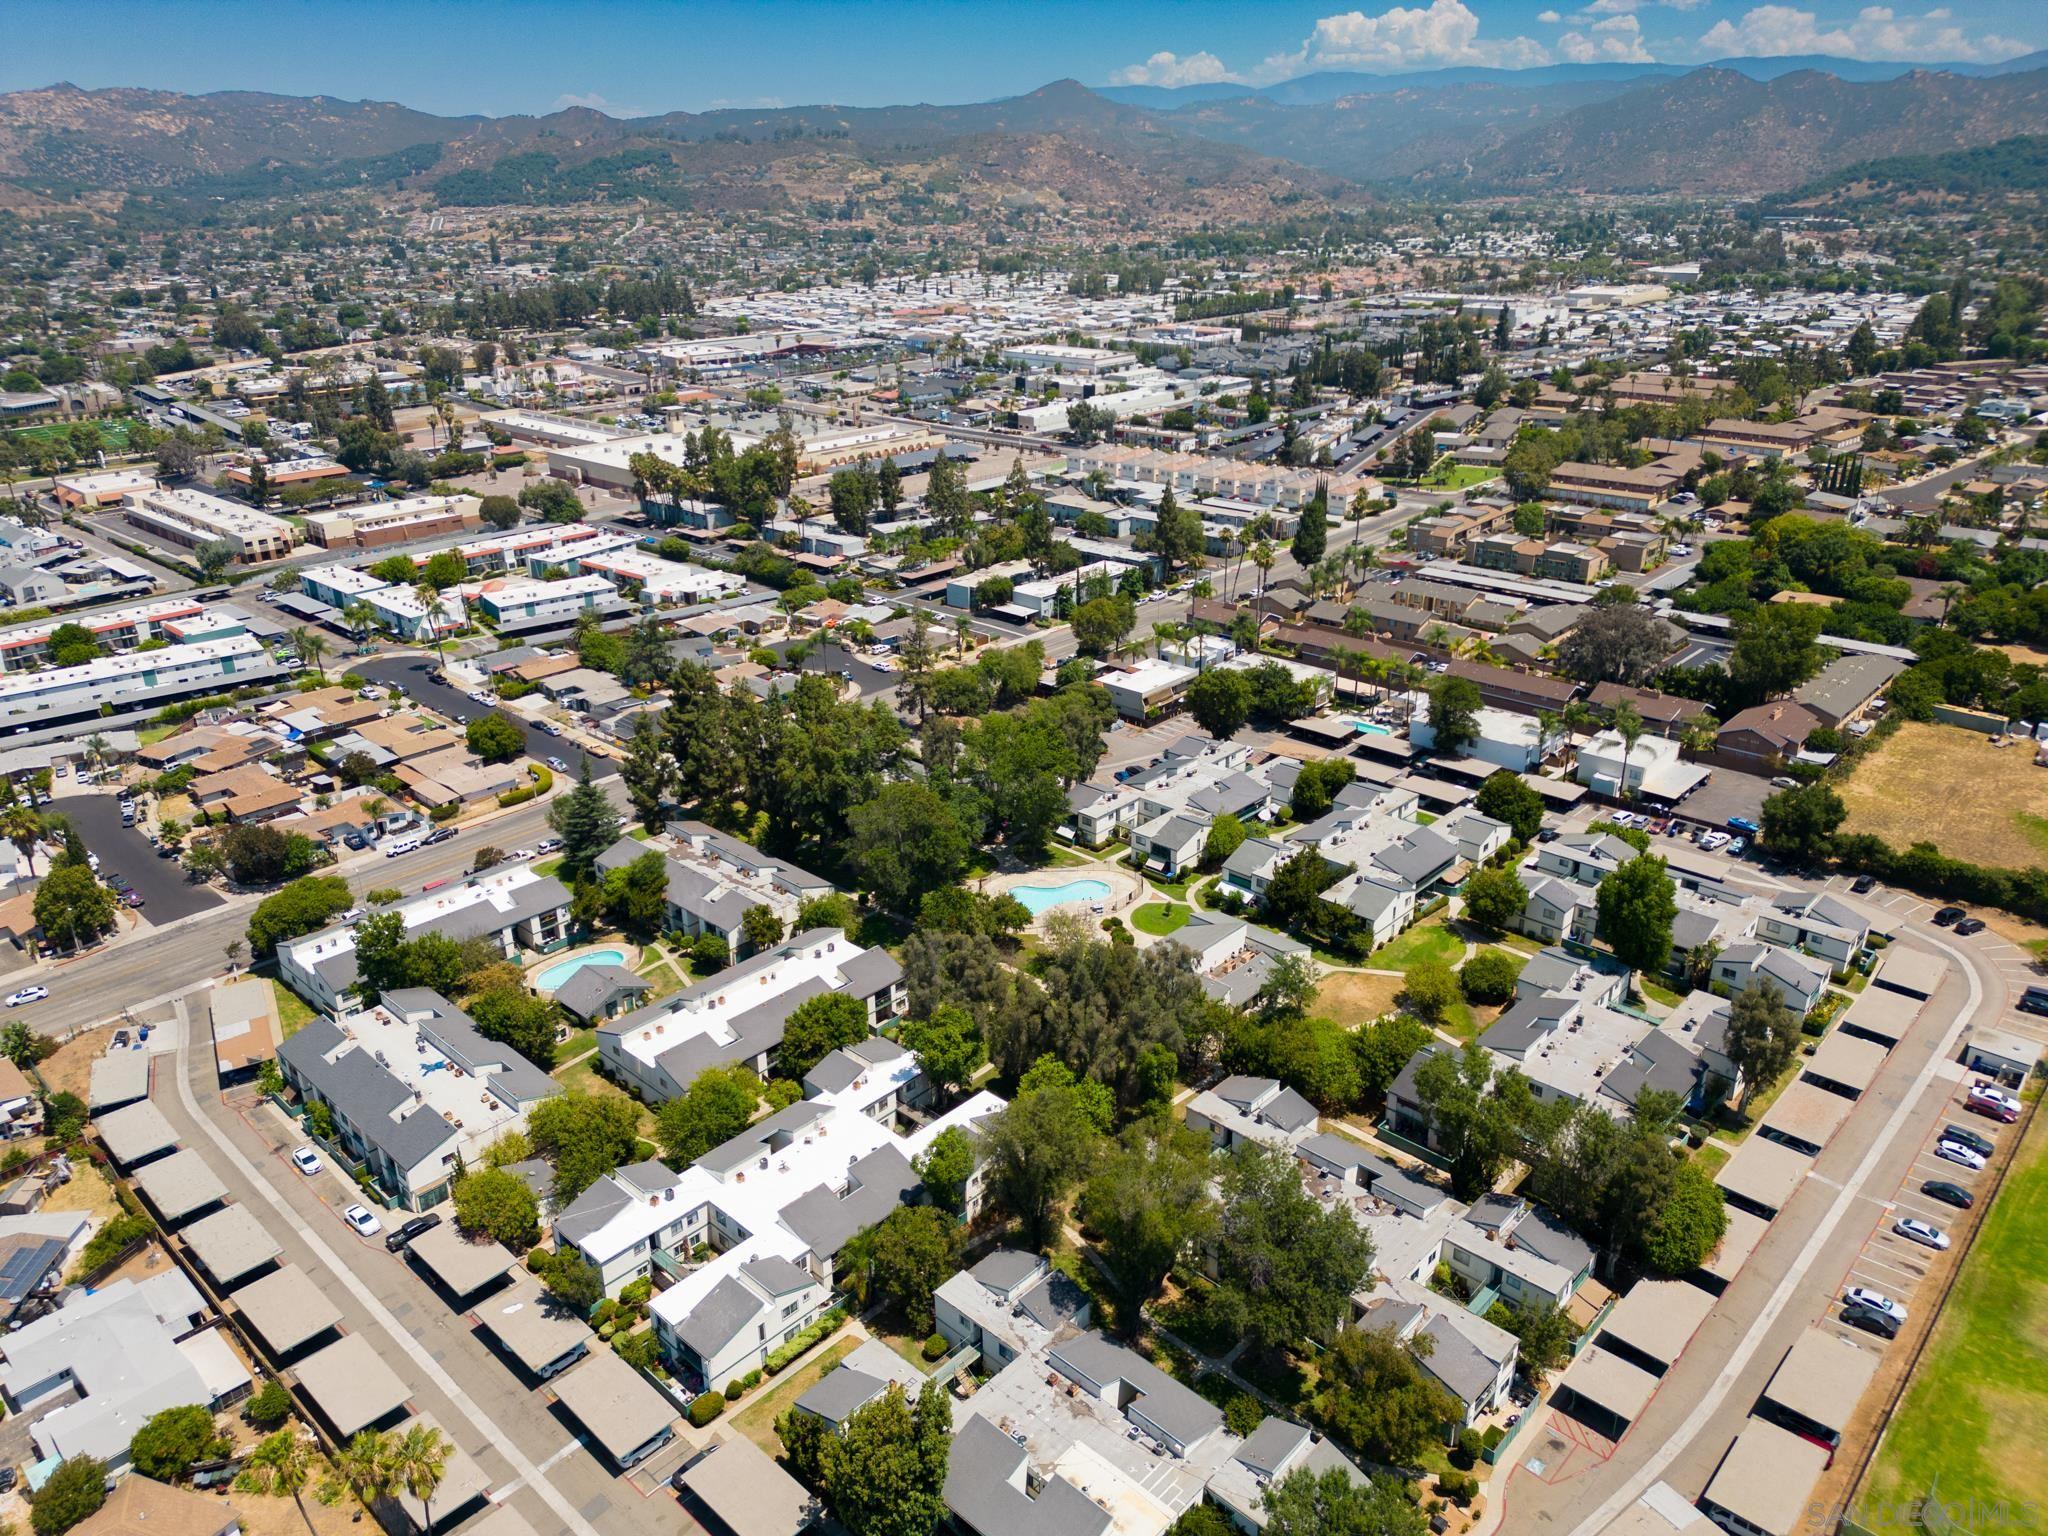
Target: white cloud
(1402, 37)
(1549, 18)
(1165, 68)
(1878, 32)
(597, 103)
(1617, 40)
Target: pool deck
(589, 952)
(1126, 890)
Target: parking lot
(167, 895)
(457, 705)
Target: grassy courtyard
(1157, 917)
(1425, 941)
(1975, 1416)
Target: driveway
(124, 850)
(839, 660)
(452, 702)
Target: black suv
(1948, 915)
(1870, 1320)
(1948, 1193)
(403, 1237)
(1983, 1146)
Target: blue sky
(641, 56)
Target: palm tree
(1628, 725)
(963, 631)
(311, 648)
(95, 750)
(415, 1462)
(1232, 545)
(281, 1464)
(429, 596)
(359, 616)
(23, 828)
(1948, 595)
(365, 1464)
(1263, 557)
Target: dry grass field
(1950, 787)
(1352, 998)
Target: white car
(307, 1161)
(1993, 1094)
(558, 765)
(1923, 1232)
(28, 995)
(363, 1219)
(1956, 1152)
(1864, 1296)
(1714, 840)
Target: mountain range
(1201, 154)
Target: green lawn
(294, 1013)
(1425, 941)
(583, 1078)
(1710, 1158)
(1657, 994)
(581, 1042)
(756, 1417)
(1446, 476)
(1157, 917)
(1975, 1415)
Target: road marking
(1794, 1280)
(429, 1367)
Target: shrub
(1466, 1453)
(446, 812)
(734, 1390)
(706, 1408)
(111, 1241)
(798, 1344)
(936, 1347)
(271, 1405)
(752, 1379)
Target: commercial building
(192, 518)
(382, 524)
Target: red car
(1994, 1105)
(132, 897)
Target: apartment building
(155, 678)
(26, 646)
(519, 601)
(715, 879)
(190, 519)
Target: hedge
(707, 1408)
(784, 1353)
(1927, 870)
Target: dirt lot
(69, 1070)
(1352, 997)
(1950, 787)
(86, 1191)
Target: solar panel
(23, 1266)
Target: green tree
(586, 822)
(1638, 905)
(1332, 1503)
(1148, 1204)
(1495, 897)
(1312, 529)
(496, 1204)
(72, 1493)
(501, 512)
(912, 1251)
(1454, 714)
(1801, 823)
(946, 1166)
(1102, 624)
(948, 1046)
(1220, 701)
(1226, 836)
(296, 909)
(1286, 1266)
(719, 1104)
(760, 928)
(1037, 1148)
(817, 1027)
(72, 907)
(647, 772)
(417, 1460)
(1489, 976)
(1505, 797)
(1383, 1048)
(584, 1136)
(1763, 1035)
(1690, 1223)
(1316, 786)
(1429, 989)
(166, 1446)
(574, 1281)
(1775, 649)
(884, 1474)
(636, 894)
(1375, 1397)
(905, 842)
(270, 1405)
(494, 738)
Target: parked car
(558, 765)
(1964, 1157)
(1863, 884)
(1926, 1233)
(1970, 925)
(1736, 847)
(2033, 1000)
(403, 1237)
(1948, 1193)
(363, 1219)
(1712, 841)
(548, 845)
(549, 726)
(1784, 781)
(438, 835)
(1883, 1324)
(1744, 824)
(27, 995)
(1995, 1103)
(307, 1161)
(1948, 915)
(1877, 1301)
(1984, 1146)
(354, 840)
(134, 898)
(402, 845)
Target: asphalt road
(412, 672)
(167, 895)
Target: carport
(180, 1187)
(350, 1385)
(1652, 1324)
(502, 1521)
(1764, 1482)
(1605, 1392)
(229, 1244)
(1815, 1389)
(1845, 1064)
(540, 1335)
(1805, 1118)
(286, 1310)
(1881, 1016)
(1762, 1176)
(118, 1078)
(1745, 1230)
(134, 1135)
(1912, 972)
(458, 1266)
(736, 1489)
(621, 1413)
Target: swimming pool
(1038, 898)
(551, 979)
(1367, 728)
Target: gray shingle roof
(877, 1184)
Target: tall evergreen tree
(587, 824)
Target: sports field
(1975, 1416)
(1944, 785)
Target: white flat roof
(1610, 1382)
(1765, 1479)
(1808, 1113)
(1821, 1378)
(1658, 1318)
(1764, 1172)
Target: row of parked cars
(360, 1218)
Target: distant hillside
(2015, 165)
(1717, 131)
